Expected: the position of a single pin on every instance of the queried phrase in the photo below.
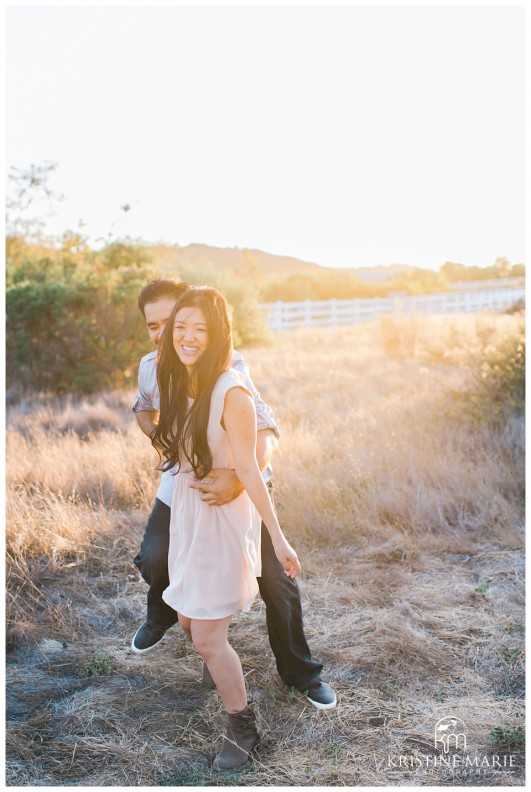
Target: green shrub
(497, 381)
(100, 664)
(73, 323)
(507, 739)
(511, 654)
(73, 329)
(503, 375)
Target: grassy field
(400, 482)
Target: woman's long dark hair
(181, 433)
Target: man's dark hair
(159, 288)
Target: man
(280, 593)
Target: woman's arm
(239, 419)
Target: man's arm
(147, 420)
(221, 485)
(265, 418)
(266, 445)
(145, 407)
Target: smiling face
(190, 335)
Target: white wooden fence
(313, 313)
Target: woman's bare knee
(208, 638)
(206, 645)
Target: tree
(502, 267)
(29, 188)
(125, 254)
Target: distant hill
(382, 273)
(231, 258)
(245, 261)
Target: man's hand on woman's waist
(222, 485)
(219, 487)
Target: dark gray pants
(280, 594)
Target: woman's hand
(287, 557)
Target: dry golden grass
(406, 509)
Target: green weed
(392, 687)
(517, 627)
(511, 654)
(335, 751)
(507, 739)
(100, 664)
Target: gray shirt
(148, 400)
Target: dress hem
(239, 608)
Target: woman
(208, 420)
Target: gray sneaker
(321, 695)
(146, 638)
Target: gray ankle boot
(239, 738)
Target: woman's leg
(210, 637)
(186, 624)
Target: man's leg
(152, 562)
(294, 661)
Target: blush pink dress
(214, 554)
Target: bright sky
(343, 135)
